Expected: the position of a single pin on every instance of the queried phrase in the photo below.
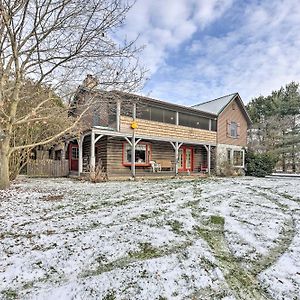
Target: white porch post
(118, 114)
(80, 155)
(92, 159)
(176, 147)
(208, 149)
(176, 158)
(133, 143)
(209, 159)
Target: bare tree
(57, 43)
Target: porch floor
(145, 175)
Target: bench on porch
(165, 164)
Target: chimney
(90, 81)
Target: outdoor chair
(155, 167)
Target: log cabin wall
(158, 129)
(159, 151)
(100, 152)
(115, 158)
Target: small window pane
(214, 125)
(157, 114)
(229, 156)
(126, 109)
(75, 153)
(238, 158)
(140, 154)
(169, 116)
(233, 129)
(143, 112)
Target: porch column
(133, 143)
(92, 159)
(118, 114)
(176, 158)
(208, 159)
(80, 155)
(176, 147)
(208, 149)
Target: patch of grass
(176, 226)
(147, 251)
(217, 220)
(111, 295)
(9, 294)
(287, 196)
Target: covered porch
(130, 155)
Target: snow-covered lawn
(171, 239)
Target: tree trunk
(283, 163)
(4, 165)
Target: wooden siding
(232, 115)
(158, 129)
(100, 152)
(48, 168)
(159, 151)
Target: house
(129, 134)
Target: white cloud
(164, 26)
(257, 56)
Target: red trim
(148, 158)
(184, 168)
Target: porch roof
(102, 131)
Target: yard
(171, 239)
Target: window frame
(76, 152)
(243, 158)
(148, 155)
(236, 130)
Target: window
(233, 129)
(143, 112)
(142, 154)
(169, 116)
(214, 125)
(238, 158)
(229, 156)
(156, 114)
(75, 153)
(96, 119)
(193, 121)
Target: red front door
(73, 157)
(186, 157)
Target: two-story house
(129, 133)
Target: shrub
(259, 164)
(226, 169)
(99, 175)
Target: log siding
(158, 129)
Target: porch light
(134, 125)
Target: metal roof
(215, 106)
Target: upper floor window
(214, 125)
(193, 121)
(157, 114)
(233, 129)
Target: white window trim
(243, 164)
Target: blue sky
(197, 50)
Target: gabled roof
(217, 106)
